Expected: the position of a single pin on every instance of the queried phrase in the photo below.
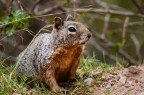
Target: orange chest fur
(65, 60)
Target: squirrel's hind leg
(51, 81)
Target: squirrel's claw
(64, 91)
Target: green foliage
(9, 84)
(17, 20)
(67, 3)
(89, 64)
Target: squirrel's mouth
(83, 41)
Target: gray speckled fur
(30, 59)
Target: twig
(116, 20)
(83, 10)
(20, 4)
(48, 10)
(22, 39)
(103, 4)
(32, 17)
(124, 29)
(131, 60)
(42, 20)
(93, 10)
(137, 6)
(9, 7)
(3, 38)
(138, 47)
(34, 6)
(30, 32)
(106, 23)
(74, 8)
(102, 50)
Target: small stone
(108, 86)
(94, 73)
(122, 79)
(112, 83)
(99, 82)
(91, 90)
(103, 78)
(114, 80)
(136, 81)
(89, 81)
(127, 85)
(130, 82)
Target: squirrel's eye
(72, 29)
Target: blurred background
(117, 26)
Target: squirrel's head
(70, 32)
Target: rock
(95, 73)
(134, 70)
(130, 82)
(89, 81)
(103, 78)
(108, 86)
(122, 79)
(127, 85)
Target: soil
(128, 81)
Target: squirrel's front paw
(59, 90)
(64, 91)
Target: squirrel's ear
(69, 18)
(58, 23)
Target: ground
(93, 78)
(128, 81)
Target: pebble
(94, 73)
(89, 81)
(122, 79)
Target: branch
(138, 47)
(34, 6)
(101, 3)
(137, 6)
(102, 50)
(9, 7)
(103, 11)
(124, 29)
(48, 10)
(131, 60)
(106, 23)
(20, 4)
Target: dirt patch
(114, 81)
(129, 81)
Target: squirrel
(54, 57)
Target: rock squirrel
(54, 57)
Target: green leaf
(17, 20)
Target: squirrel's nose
(89, 35)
